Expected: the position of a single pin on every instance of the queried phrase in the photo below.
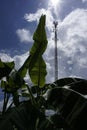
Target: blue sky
(19, 19)
(12, 18)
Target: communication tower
(56, 59)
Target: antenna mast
(55, 39)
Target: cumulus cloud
(73, 44)
(5, 57)
(84, 0)
(20, 59)
(24, 35)
(35, 17)
(72, 34)
(72, 47)
(55, 7)
(52, 12)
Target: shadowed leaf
(5, 68)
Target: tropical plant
(54, 106)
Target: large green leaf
(39, 37)
(71, 105)
(35, 62)
(37, 66)
(5, 68)
(77, 84)
(38, 72)
(13, 83)
(23, 70)
(23, 117)
(66, 81)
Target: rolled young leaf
(37, 66)
(39, 37)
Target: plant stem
(31, 96)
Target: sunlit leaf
(39, 37)
(37, 66)
(38, 73)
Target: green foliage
(40, 38)
(35, 63)
(37, 66)
(5, 68)
(38, 73)
(64, 97)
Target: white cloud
(52, 13)
(20, 59)
(55, 6)
(84, 1)
(35, 17)
(73, 32)
(73, 45)
(83, 62)
(5, 57)
(24, 35)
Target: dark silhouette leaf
(71, 105)
(5, 68)
(66, 81)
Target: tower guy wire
(55, 58)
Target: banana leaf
(5, 68)
(37, 66)
(35, 63)
(38, 73)
(77, 84)
(72, 107)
